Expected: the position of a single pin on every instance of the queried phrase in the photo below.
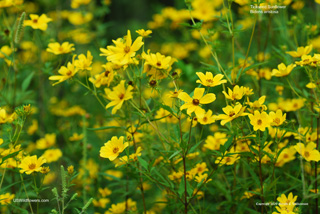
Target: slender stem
(25, 190)
(185, 184)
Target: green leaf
(26, 82)
(195, 146)
(143, 163)
(252, 173)
(174, 154)
(181, 187)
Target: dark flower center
(115, 150)
(259, 122)
(32, 166)
(107, 73)
(195, 102)
(121, 96)
(127, 49)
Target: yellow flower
(45, 170)
(104, 192)
(79, 18)
(66, 73)
(144, 33)
(102, 202)
(277, 118)
(236, 94)
(174, 176)
(47, 141)
(210, 81)
(202, 177)
(31, 164)
(133, 157)
(287, 203)
(118, 96)
(113, 173)
(207, 118)
(260, 121)
(104, 78)
(283, 70)
(311, 85)
(214, 142)
(5, 117)
(123, 51)
(83, 62)
(286, 155)
(33, 127)
(309, 152)
(5, 51)
(37, 22)
(52, 155)
(300, 51)
(77, 3)
(193, 104)
(57, 49)
(113, 148)
(231, 113)
(76, 137)
(228, 159)
(6, 198)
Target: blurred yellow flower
(236, 94)
(308, 152)
(58, 49)
(52, 155)
(300, 51)
(6, 198)
(83, 62)
(283, 70)
(5, 51)
(77, 3)
(144, 33)
(277, 117)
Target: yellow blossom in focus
(231, 113)
(58, 49)
(31, 164)
(260, 121)
(113, 148)
(236, 94)
(207, 118)
(83, 62)
(123, 51)
(192, 104)
(277, 118)
(37, 22)
(210, 81)
(65, 73)
(118, 95)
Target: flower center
(195, 102)
(69, 72)
(60, 49)
(126, 49)
(205, 119)
(307, 154)
(32, 166)
(158, 64)
(115, 150)
(107, 73)
(259, 122)
(35, 21)
(285, 156)
(277, 121)
(231, 113)
(209, 80)
(121, 96)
